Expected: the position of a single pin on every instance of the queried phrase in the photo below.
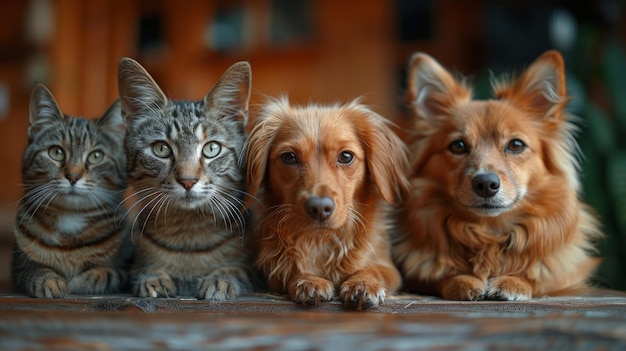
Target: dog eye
(516, 146)
(345, 157)
(288, 158)
(458, 147)
(161, 149)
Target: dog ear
(265, 126)
(387, 157)
(541, 87)
(256, 154)
(432, 90)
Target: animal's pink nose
(187, 183)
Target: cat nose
(73, 177)
(187, 183)
(320, 207)
(486, 184)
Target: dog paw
(223, 284)
(362, 295)
(311, 290)
(507, 288)
(154, 285)
(463, 287)
(98, 280)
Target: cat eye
(288, 158)
(56, 153)
(211, 149)
(516, 146)
(161, 149)
(95, 157)
(345, 157)
(458, 147)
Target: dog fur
(319, 181)
(494, 209)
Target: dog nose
(320, 208)
(486, 184)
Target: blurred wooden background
(310, 50)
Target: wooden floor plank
(272, 322)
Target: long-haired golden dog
(319, 179)
(494, 211)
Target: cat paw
(48, 287)
(224, 284)
(361, 294)
(507, 288)
(154, 285)
(311, 290)
(98, 280)
(463, 288)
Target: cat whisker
(32, 194)
(111, 197)
(95, 201)
(152, 205)
(33, 200)
(157, 200)
(232, 210)
(109, 200)
(225, 213)
(105, 199)
(50, 200)
(216, 206)
(209, 205)
(166, 202)
(156, 195)
(44, 194)
(137, 202)
(238, 200)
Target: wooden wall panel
(352, 51)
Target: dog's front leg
(509, 288)
(367, 288)
(309, 289)
(463, 287)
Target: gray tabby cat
(184, 163)
(68, 239)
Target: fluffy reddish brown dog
(494, 211)
(321, 177)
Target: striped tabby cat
(67, 237)
(184, 164)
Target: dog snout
(486, 184)
(320, 207)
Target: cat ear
(139, 94)
(43, 111)
(231, 93)
(43, 106)
(541, 88)
(112, 121)
(432, 90)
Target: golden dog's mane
(548, 237)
